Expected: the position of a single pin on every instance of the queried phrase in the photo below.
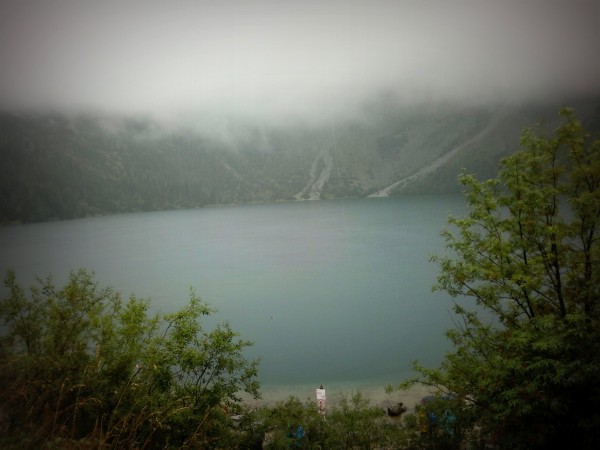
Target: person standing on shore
(321, 397)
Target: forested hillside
(59, 166)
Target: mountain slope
(55, 166)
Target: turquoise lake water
(334, 292)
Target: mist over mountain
(61, 166)
(151, 104)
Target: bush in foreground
(80, 367)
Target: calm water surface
(333, 292)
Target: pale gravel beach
(375, 394)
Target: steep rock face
(55, 166)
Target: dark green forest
(55, 166)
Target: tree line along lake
(331, 292)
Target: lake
(331, 292)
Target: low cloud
(276, 59)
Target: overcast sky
(286, 56)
